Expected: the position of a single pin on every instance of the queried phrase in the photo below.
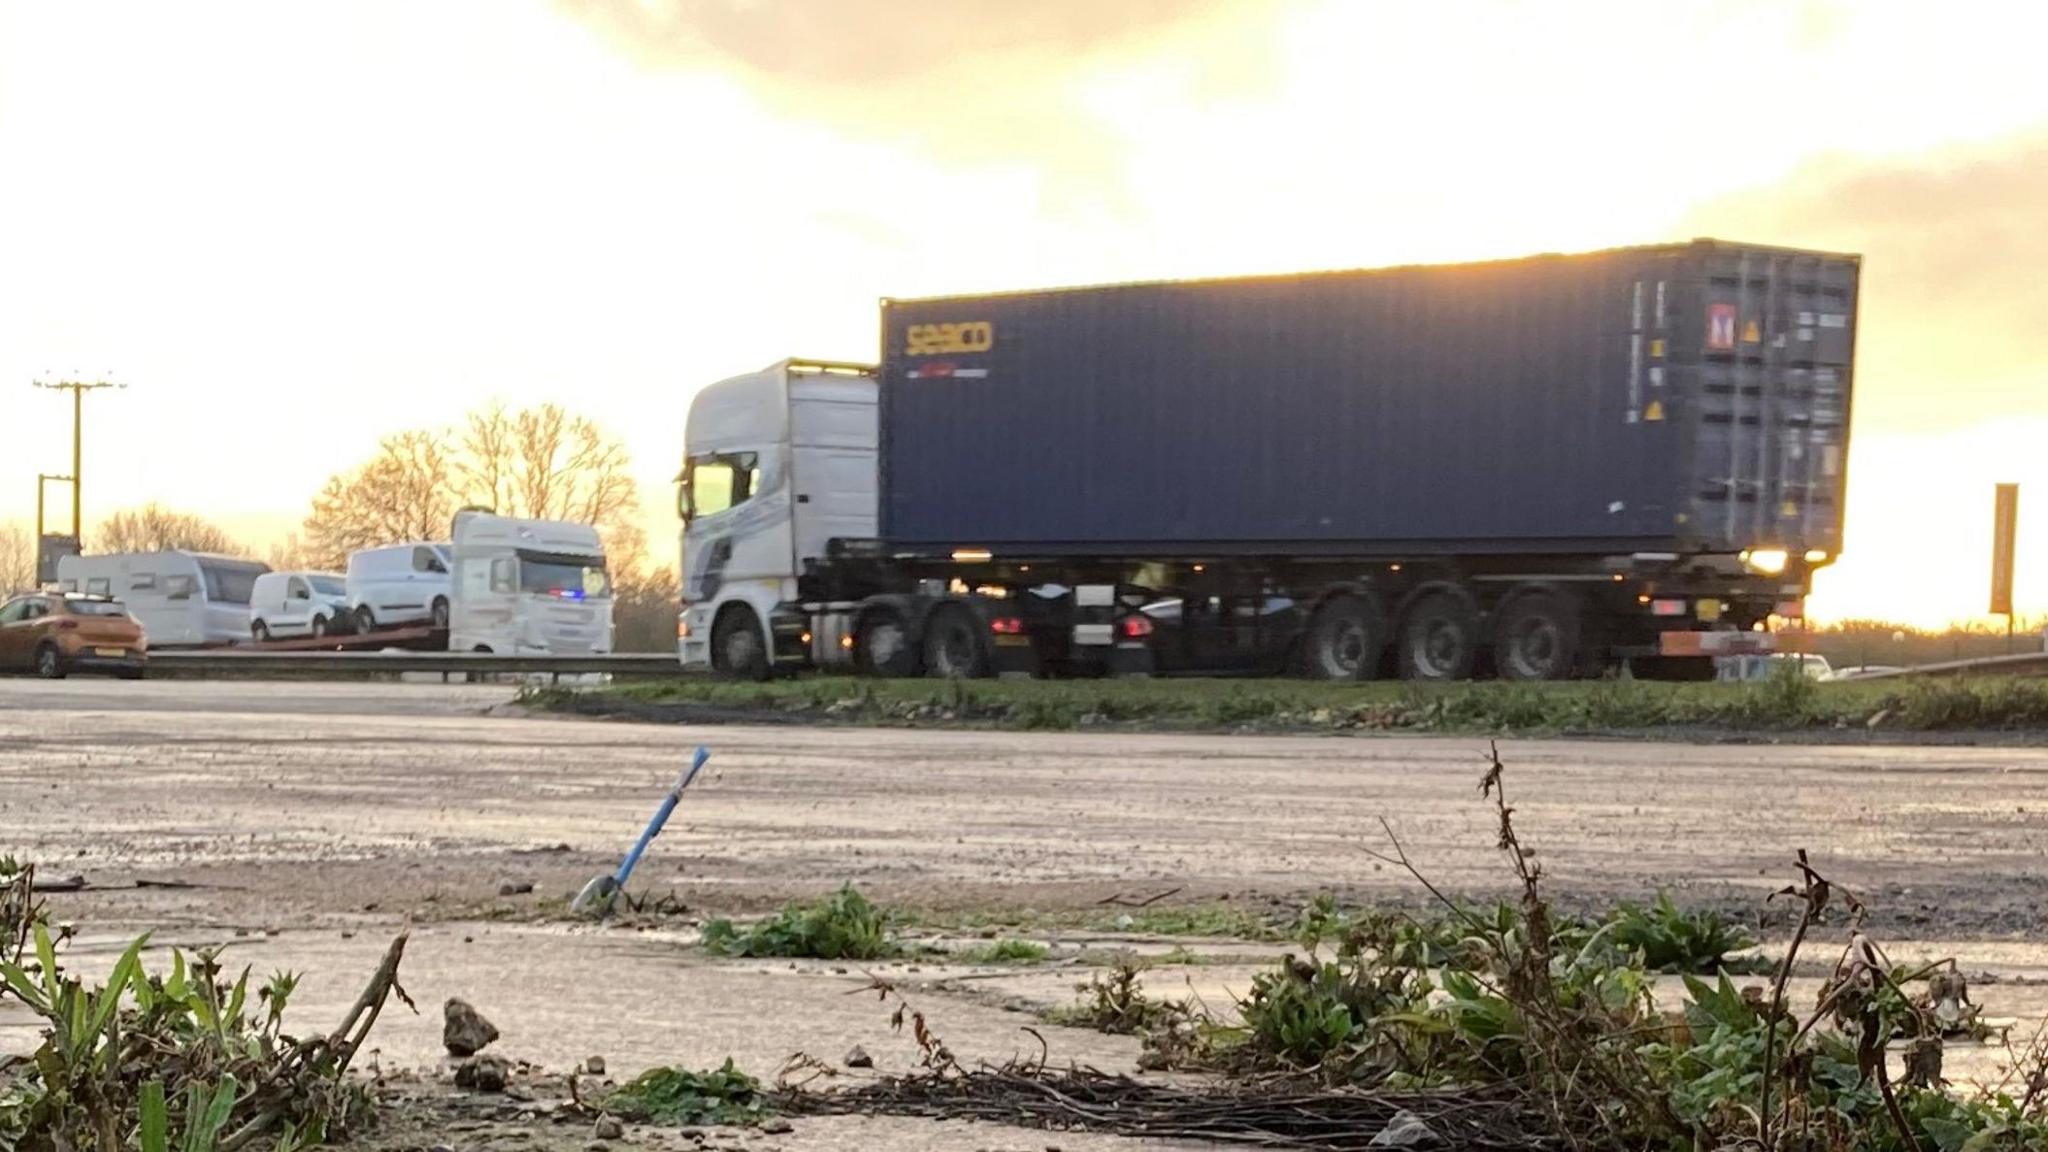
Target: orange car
(54, 635)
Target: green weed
(1115, 1002)
(189, 1059)
(1669, 940)
(724, 1096)
(1008, 951)
(843, 926)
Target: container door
(1770, 336)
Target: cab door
(297, 611)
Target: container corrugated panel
(1689, 397)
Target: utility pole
(44, 551)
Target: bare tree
(543, 463)
(154, 528)
(407, 491)
(17, 558)
(289, 554)
(644, 604)
(546, 464)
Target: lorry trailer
(1537, 468)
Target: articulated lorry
(1537, 468)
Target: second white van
(399, 584)
(299, 604)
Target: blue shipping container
(1690, 398)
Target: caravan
(183, 599)
(529, 587)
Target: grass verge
(1788, 705)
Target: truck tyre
(259, 632)
(366, 621)
(738, 648)
(953, 645)
(1439, 635)
(49, 662)
(438, 614)
(882, 644)
(1537, 638)
(1344, 640)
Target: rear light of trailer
(1667, 607)
(1006, 626)
(1135, 627)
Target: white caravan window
(504, 575)
(99, 586)
(180, 587)
(141, 581)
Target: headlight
(1769, 561)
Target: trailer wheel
(1537, 638)
(1344, 640)
(259, 631)
(883, 646)
(738, 649)
(953, 645)
(1439, 635)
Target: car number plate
(110, 651)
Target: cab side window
(298, 590)
(425, 559)
(14, 612)
(713, 484)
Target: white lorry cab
(183, 599)
(529, 587)
(777, 463)
(399, 584)
(299, 604)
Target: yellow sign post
(2005, 526)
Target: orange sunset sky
(291, 228)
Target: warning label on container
(1752, 334)
(1721, 326)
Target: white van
(183, 599)
(399, 584)
(529, 587)
(299, 604)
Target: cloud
(991, 82)
(854, 44)
(1952, 291)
